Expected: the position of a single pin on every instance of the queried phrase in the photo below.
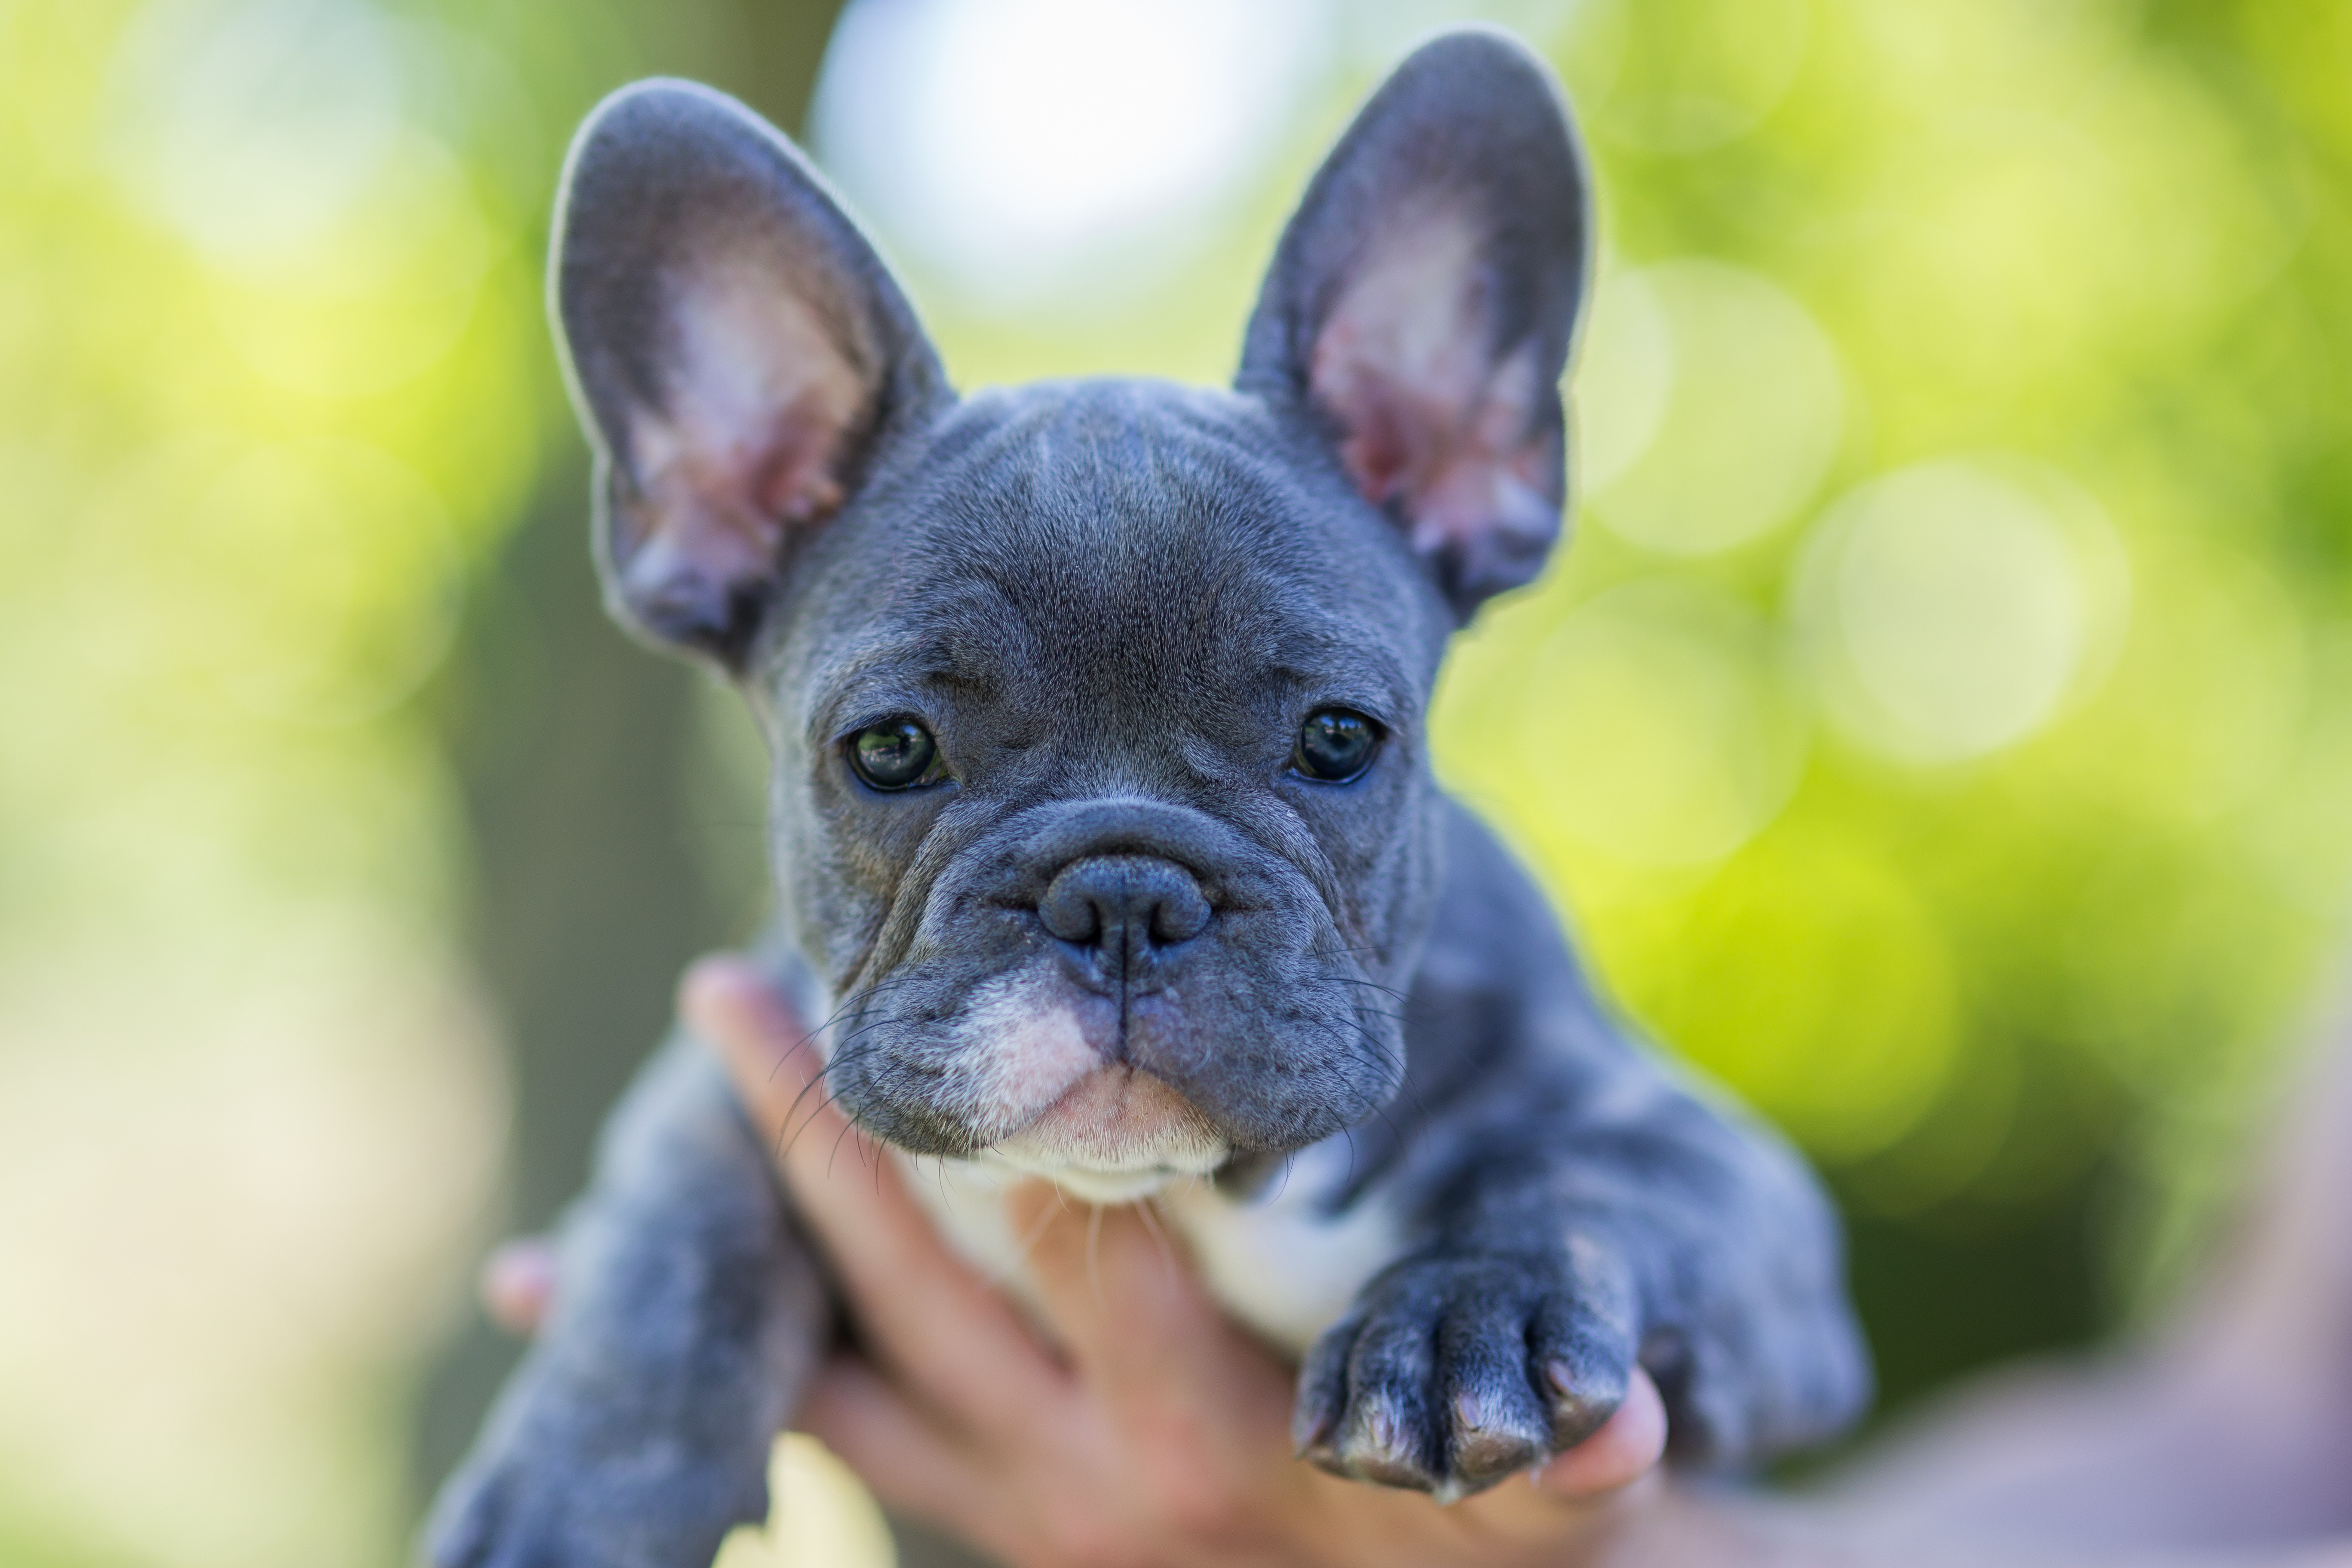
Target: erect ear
(737, 350)
(1423, 300)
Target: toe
(1389, 1433)
(1495, 1426)
(1323, 1397)
(1581, 1347)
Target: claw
(1578, 1411)
(1455, 1373)
(1379, 1446)
(1487, 1446)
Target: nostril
(1125, 900)
(1070, 910)
(1180, 913)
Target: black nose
(1124, 907)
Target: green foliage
(2042, 843)
(1939, 731)
(1972, 800)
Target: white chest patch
(1280, 1262)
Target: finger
(518, 1284)
(921, 1310)
(1124, 1298)
(775, 1062)
(1626, 1447)
(908, 1461)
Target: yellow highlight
(819, 1516)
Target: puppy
(1107, 840)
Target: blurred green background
(1943, 719)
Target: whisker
(1402, 1142)
(1021, 1253)
(790, 1052)
(847, 1129)
(1167, 1254)
(856, 1003)
(820, 1109)
(1378, 949)
(822, 1078)
(1359, 979)
(1094, 1241)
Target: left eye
(897, 753)
(1335, 746)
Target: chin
(1114, 1135)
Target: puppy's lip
(1109, 1099)
(1117, 1118)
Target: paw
(1453, 1371)
(529, 1507)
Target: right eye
(1335, 746)
(897, 753)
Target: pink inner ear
(1430, 423)
(761, 401)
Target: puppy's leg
(1572, 1212)
(1549, 1262)
(687, 1316)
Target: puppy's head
(1101, 794)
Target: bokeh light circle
(1651, 728)
(1954, 607)
(252, 126)
(1811, 977)
(1750, 416)
(1046, 149)
(1624, 372)
(1699, 73)
(322, 581)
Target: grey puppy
(1107, 839)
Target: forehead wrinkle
(954, 641)
(1359, 666)
(1105, 542)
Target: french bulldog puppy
(1107, 841)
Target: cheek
(1021, 1047)
(1371, 843)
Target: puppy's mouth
(1115, 1120)
(1043, 1094)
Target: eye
(1335, 746)
(897, 753)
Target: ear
(1422, 302)
(738, 352)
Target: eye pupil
(1335, 746)
(893, 754)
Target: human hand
(1151, 1431)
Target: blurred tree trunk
(571, 746)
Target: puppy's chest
(1283, 1262)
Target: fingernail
(707, 983)
(519, 1284)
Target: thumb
(1628, 1447)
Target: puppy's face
(1100, 795)
(1099, 784)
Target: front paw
(545, 1506)
(1454, 1370)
